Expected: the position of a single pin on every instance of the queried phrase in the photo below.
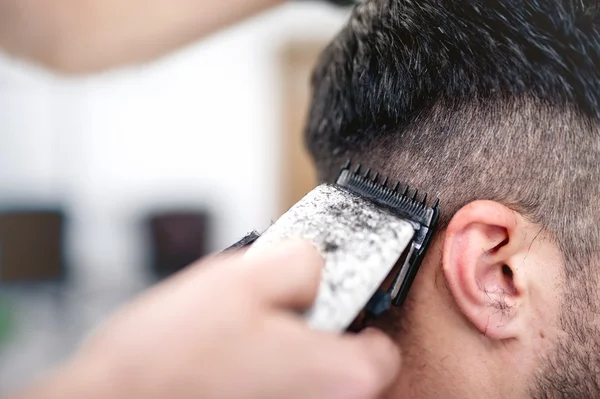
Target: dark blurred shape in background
(31, 246)
(177, 239)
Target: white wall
(199, 127)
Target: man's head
(494, 107)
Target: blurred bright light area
(199, 129)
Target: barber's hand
(229, 328)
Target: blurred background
(111, 182)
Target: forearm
(88, 35)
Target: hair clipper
(363, 228)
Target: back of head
(469, 100)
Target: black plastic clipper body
(247, 241)
(406, 205)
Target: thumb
(287, 275)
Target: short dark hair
(470, 99)
(473, 99)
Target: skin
(227, 328)
(483, 310)
(83, 36)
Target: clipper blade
(405, 204)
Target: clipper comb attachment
(406, 205)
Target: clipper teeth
(366, 185)
(410, 208)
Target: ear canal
(509, 278)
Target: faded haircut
(471, 100)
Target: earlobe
(479, 251)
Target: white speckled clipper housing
(360, 242)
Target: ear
(482, 246)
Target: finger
(368, 364)
(286, 276)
